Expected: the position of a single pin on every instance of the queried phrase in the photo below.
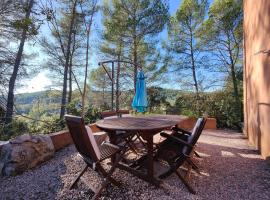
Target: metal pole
(112, 85)
(117, 87)
(111, 76)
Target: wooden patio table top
(147, 126)
(147, 123)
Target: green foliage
(185, 104)
(225, 23)
(223, 107)
(223, 35)
(73, 108)
(21, 125)
(129, 30)
(156, 97)
(46, 124)
(220, 105)
(92, 114)
(15, 128)
(25, 24)
(187, 54)
(226, 14)
(100, 82)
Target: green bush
(92, 114)
(223, 107)
(73, 108)
(46, 124)
(220, 105)
(15, 128)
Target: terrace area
(195, 126)
(230, 170)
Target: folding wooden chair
(183, 134)
(92, 154)
(129, 138)
(176, 151)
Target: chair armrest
(177, 129)
(166, 135)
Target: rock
(24, 152)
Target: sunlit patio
(229, 169)
(139, 99)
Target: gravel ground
(230, 170)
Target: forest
(191, 52)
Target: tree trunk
(88, 30)
(234, 79)
(70, 81)
(193, 67)
(64, 91)
(194, 74)
(70, 69)
(85, 75)
(235, 85)
(10, 99)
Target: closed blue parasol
(139, 102)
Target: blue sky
(42, 82)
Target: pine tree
(223, 35)
(64, 47)
(130, 27)
(27, 28)
(184, 38)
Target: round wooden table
(138, 124)
(147, 127)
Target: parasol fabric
(139, 102)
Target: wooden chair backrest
(108, 114)
(80, 137)
(123, 111)
(113, 113)
(195, 134)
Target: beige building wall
(257, 73)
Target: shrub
(74, 108)
(15, 128)
(92, 114)
(46, 124)
(220, 105)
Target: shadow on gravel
(230, 170)
(232, 173)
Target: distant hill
(29, 98)
(51, 98)
(25, 101)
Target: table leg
(149, 176)
(150, 160)
(112, 139)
